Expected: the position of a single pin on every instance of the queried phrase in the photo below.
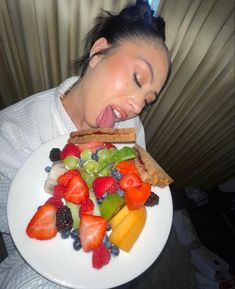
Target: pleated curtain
(190, 130)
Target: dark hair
(133, 21)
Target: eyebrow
(149, 67)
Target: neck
(73, 104)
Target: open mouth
(109, 116)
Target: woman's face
(117, 86)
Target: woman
(124, 68)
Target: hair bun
(142, 12)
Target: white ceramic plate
(56, 259)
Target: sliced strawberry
(104, 184)
(58, 191)
(56, 202)
(125, 167)
(91, 146)
(136, 197)
(91, 231)
(86, 208)
(100, 257)
(65, 178)
(130, 180)
(77, 190)
(70, 149)
(42, 226)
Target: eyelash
(147, 105)
(137, 81)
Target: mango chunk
(127, 227)
(119, 217)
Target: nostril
(135, 107)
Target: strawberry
(100, 257)
(42, 226)
(86, 208)
(125, 167)
(136, 197)
(130, 180)
(65, 178)
(70, 149)
(109, 145)
(57, 203)
(104, 184)
(91, 231)
(91, 146)
(58, 191)
(77, 190)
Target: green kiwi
(111, 205)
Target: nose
(135, 103)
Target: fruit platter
(86, 214)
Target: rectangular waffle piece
(113, 135)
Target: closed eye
(137, 81)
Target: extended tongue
(107, 118)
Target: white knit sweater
(24, 127)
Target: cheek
(118, 84)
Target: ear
(99, 45)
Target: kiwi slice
(111, 205)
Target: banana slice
(57, 169)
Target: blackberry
(64, 221)
(152, 200)
(54, 154)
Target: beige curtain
(190, 130)
(40, 39)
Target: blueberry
(81, 163)
(74, 234)
(120, 192)
(65, 234)
(105, 195)
(105, 239)
(99, 201)
(108, 245)
(110, 166)
(48, 169)
(116, 174)
(77, 245)
(108, 228)
(114, 250)
(94, 157)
